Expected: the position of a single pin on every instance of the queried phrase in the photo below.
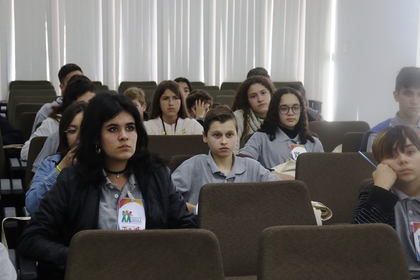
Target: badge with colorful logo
(416, 231)
(131, 214)
(297, 150)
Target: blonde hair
(135, 93)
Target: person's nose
(402, 159)
(123, 135)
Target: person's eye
(252, 96)
(112, 129)
(411, 152)
(131, 128)
(229, 135)
(296, 108)
(263, 92)
(71, 131)
(216, 135)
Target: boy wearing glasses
(221, 164)
(284, 134)
(407, 94)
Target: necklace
(163, 125)
(116, 173)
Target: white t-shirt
(182, 127)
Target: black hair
(408, 77)
(77, 86)
(66, 119)
(272, 121)
(102, 108)
(258, 71)
(185, 80)
(66, 69)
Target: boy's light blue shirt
(199, 170)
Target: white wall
(374, 40)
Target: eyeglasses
(284, 109)
(71, 131)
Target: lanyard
(163, 125)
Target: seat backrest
(19, 109)
(197, 85)
(334, 179)
(147, 254)
(225, 100)
(216, 93)
(352, 141)
(2, 159)
(238, 212)
(331, 133)
(140, 84)
(37, 83)
(24, 124)
(278, 85)
(34, 148)
(331, 252)
(28, 96)
(177, 160)
(170, 145)
(230, 85)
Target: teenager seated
(114, 174)
(220, 164)
(284, 133)
(394, 196)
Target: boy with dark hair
(258, 71)
(407, 94)
(78, 88)
(64, 75)
(393, 197)
(220, 132)
(199, 103)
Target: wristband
(58, 169)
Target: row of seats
(272, 237)
(244, 238)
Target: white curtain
(204, 40)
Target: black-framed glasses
(284, 109)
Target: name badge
(297, 150)
(416, 232)
(131, 214)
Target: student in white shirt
(169, 115)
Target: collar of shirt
(398, 121)
(237, 168)
(282, 137)
(131, 184)
(402, 196)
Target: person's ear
(396, 94)
(204, 137)
(62, 87)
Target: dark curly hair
(272, 121)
